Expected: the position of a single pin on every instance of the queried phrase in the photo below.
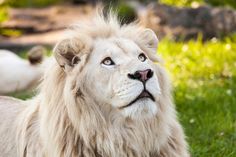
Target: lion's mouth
(143, 95)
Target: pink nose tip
(142, 75)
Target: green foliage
(231, 3)
(10, 32)
(24, 54)
(126, 13)
(181, 3)
(23, 95)
(204, 77)
(4, 17)
(32, 3)
(3, 13)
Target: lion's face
(117, 71)
(121, 74)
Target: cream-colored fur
(17, 74)
(80, 109)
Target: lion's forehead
(115, 47)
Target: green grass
(23, 95)
(3, 13)
(204, 80)
(194, 3)
(181, 3)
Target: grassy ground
(204, 79)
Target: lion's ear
(150, 42)
(67, 52)
(149, 38)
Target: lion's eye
(142, 57)
(108, 61)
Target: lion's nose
(142, 76)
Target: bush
(3, 13)
(180, 3)
(231, 3)
(126, 13)
(32, 3)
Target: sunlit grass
(3, 13)
(204, 78)
(10, 32)
(182, 3)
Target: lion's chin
(143, 108)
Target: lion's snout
(141, 75)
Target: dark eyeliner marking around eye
(142, 57)
(108, 61)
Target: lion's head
(115, 67)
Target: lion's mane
(56, 123)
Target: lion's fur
(52, 124)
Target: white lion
(104, 96)
(17, 74)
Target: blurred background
(197, 43)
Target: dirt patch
(42, 25)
